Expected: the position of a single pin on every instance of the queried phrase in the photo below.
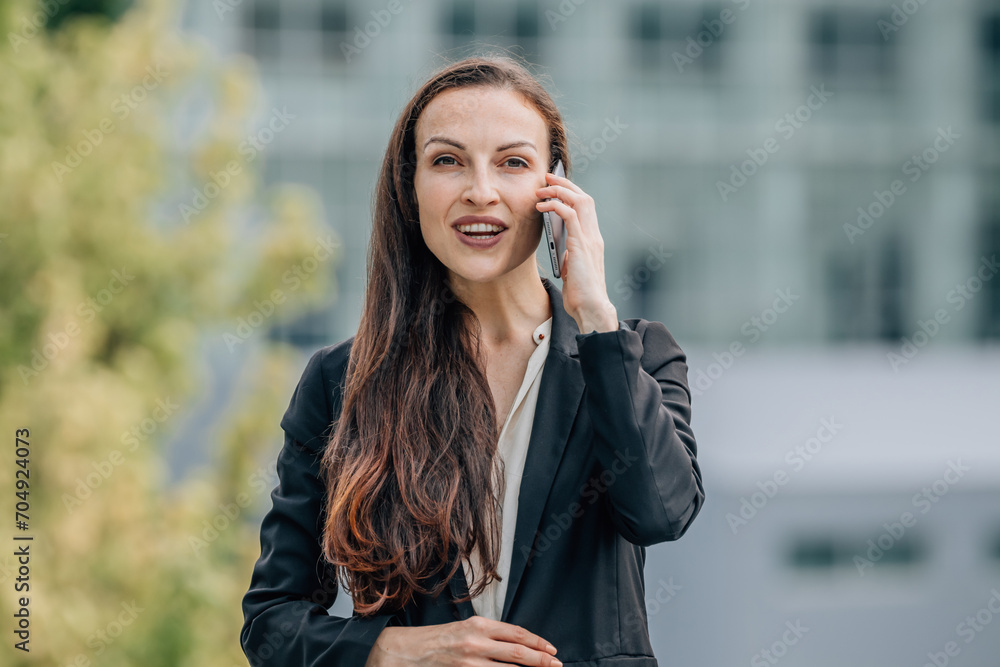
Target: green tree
(118, 257)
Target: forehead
(478, 111)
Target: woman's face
(480, 152)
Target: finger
(565, 194)
(562, 180)
(505, 653)
(515, 634)
(583, 204)
(566, 212)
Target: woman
(478, 510)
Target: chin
(478, 276)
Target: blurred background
(805, 193)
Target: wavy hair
(411, 468)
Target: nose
(480, 190)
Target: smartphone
(555, 230)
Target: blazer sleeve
(285, 618)
(636, 393)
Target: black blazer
(610, 469)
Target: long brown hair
(411, 469)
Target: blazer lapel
(559, 398)
(460, 588)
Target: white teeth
(479, 227)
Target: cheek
(431, 197)
(527, 208)
(518, 198)
(419, 189)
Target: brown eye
(443, 157)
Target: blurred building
(819, 176)
(667, 102)
(859, 504)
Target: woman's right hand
(475, 642)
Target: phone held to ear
(555, 230)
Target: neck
(507, 307)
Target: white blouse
(513, 448)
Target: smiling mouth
(480, 231)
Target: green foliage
(106, 293)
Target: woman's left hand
(585, 296)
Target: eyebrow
(460, 146)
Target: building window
(990, 248)
(515, 26)
(813, 553)
(822, 553)
(989, 45)
(866, 271)
(333, 16)
(262, 23)
(303, 26)
(994, 548)
(459, 22)
(678, 38)
(265, 15)
(868, 290)
(845, 289)
(643, 287)
(526, 20)
(893, 293)
(646, 24)
(645, 34)
(337, 34)
(848, 50)
(308, 331)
